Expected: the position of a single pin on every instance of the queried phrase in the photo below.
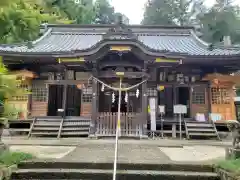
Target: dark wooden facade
(175, 74)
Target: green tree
(171, 12)
(219, 21)
(104, 12)
(20, 19)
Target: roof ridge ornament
(119, 31)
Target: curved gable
(86, 40)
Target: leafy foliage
(171, 12)
(8, 89)
(220, 20)
(9, 158)
(20, 19)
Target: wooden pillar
(209, 96)
(93, 124)
(144, 105)
(64, 101)
(144, 108)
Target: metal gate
(130, 124)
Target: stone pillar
(93, 124)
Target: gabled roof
(70, 38)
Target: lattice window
(152, 92)
(220, 96)
(198, 97)
(39, 94)
(87, 95)
(24, 97)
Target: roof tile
(59, 40)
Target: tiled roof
(60, 39)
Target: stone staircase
(201, 129)
(59, 127)
(45, 126)
(100, 171)
(75, 126)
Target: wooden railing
(130, 124)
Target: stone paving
(87, 142)
(44, 152)
(130, 151)
(194, 153)
(126, 154)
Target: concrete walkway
(90, 142)
(130, 151)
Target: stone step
(39, 164)
(46, 124)
(201, 130)
(44, 133)
(75, 129)
(46, 128)
(76, 125)
(202, 134)
(198, 125)
(75, 133)
(96, 174)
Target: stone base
(232, 153)
(92, 136)
(143, 137)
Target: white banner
(152, 104)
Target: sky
(134, 9)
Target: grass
(9, 161)
(232, 165)
(8, 158)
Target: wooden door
(199, 100)
(73, 103)
(222, 101)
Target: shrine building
(169, 64)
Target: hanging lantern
(216, 81)
(137, 93)
(113, 97)
(126, 97)
(161, 88)
(102, 89)
(79, 86)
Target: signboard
(160, 60)
(180, 109)
(161, 109)
(120, 48)
(152, 104)
(60, 60)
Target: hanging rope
(115, 88)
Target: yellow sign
(60, 60)
(119, 123)
(166, 60)
(161, 88)
(120, 48)
(120, 73)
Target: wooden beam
(63, 82)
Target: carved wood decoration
(120, 48)
(222, 95)
(120, 32)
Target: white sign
(161, 109)
(180, 109)
(152, 104)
